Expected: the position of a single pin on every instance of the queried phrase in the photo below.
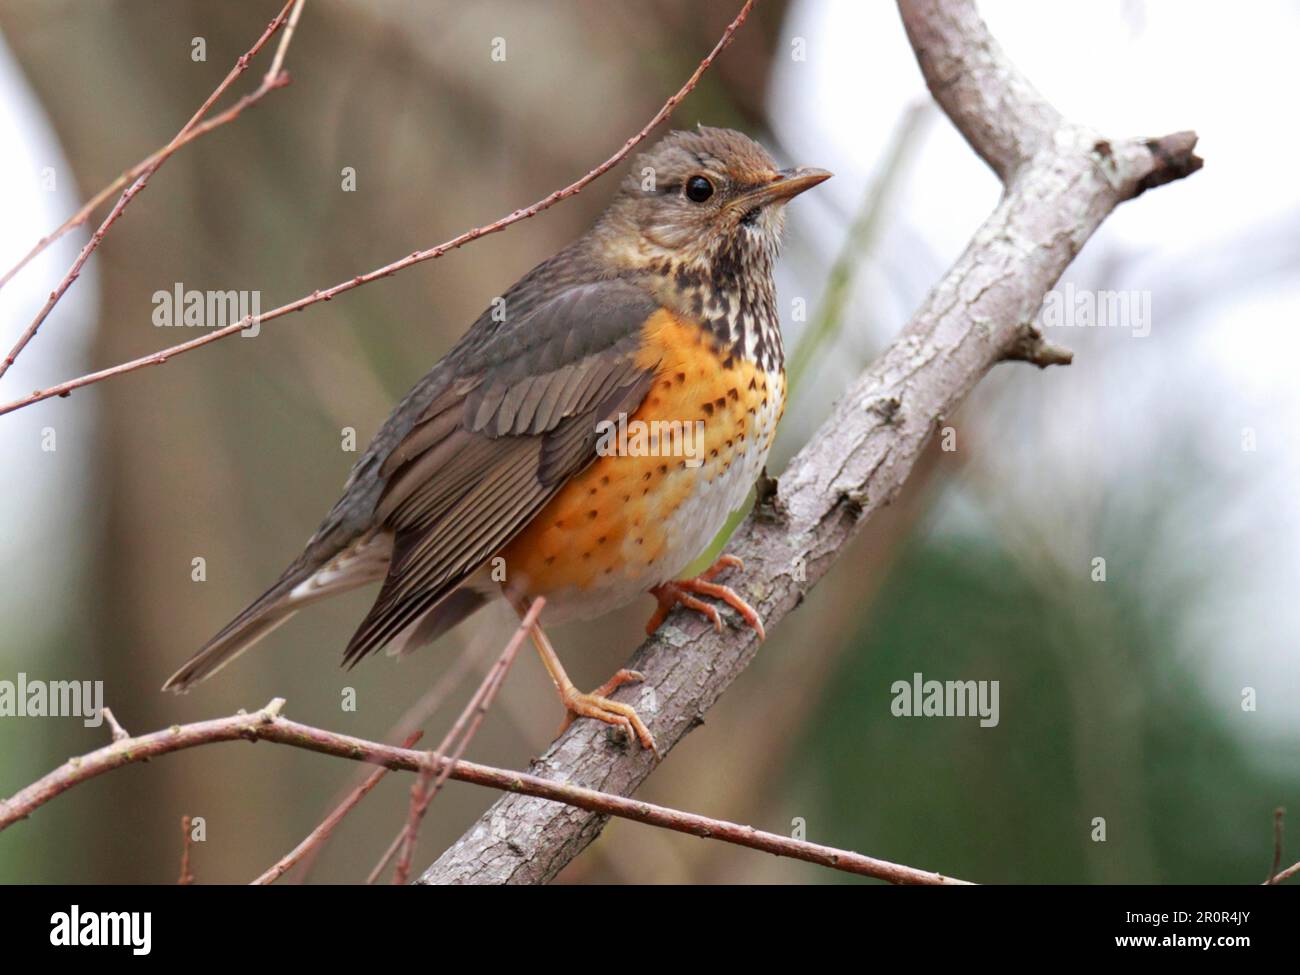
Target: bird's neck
(730, 291)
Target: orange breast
(628, 522)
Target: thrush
(584, 441)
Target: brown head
(699, 218)
(696, 195)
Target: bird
(584, 441)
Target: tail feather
(460, 605)
(303, 582)
(241, 634)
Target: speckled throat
(733, 297)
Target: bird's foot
(670, 594)
(598, 705)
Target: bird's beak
(788, 184)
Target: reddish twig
(321, 833)
(1275, 874)
(408, 724)
(138, 176)
(277, 62)
(417, 257)
(453, 744)
(187, 875)
(1278, 814)
(268, 725)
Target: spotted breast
(665, 479)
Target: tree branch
(187, 875)
(269, 725)
(1276, 874)
(453, 746)
(1284, 875)
(317, 837)
(1061, 181)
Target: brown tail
(302, 583)
(271, 609)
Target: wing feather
(497, 445)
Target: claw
(671, 594)
(597, 705)
(624, 676)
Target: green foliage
(1184, 799)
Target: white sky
(42, 494)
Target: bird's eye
(698, 189)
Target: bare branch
(158, 358)
(187, 875)
(277, 62)
(118, 731)
(1002, 116)
(321, 833)
(140, 174)
(268, 725)
(1061, 182)
(1031, 347)
(1278, 815)
(426, 787)
(1286, 874)
(405, 726)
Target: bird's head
(700, 198)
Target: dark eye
(698, 189)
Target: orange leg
(670, 594)
(596, 704)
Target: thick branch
(1061, 182)
(993, 105)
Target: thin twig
(118, 731)
(417, 257)
(1278, 815)
(144, 172)
(268, 725)
(94, 203)
(277, 62)
(321, 833)
(454, 744)
(409, 723)
(1286, 874)
(187, 875)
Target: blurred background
(1172, 455)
